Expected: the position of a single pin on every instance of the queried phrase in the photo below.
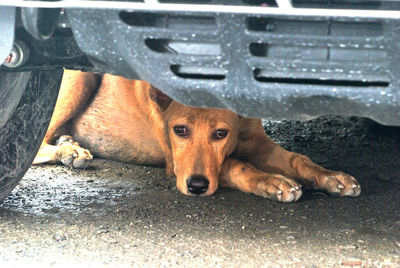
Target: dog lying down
(131, 121)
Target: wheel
(27, 101)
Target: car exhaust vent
(144, 19)
(197, 72)
(188, 48)
(263, 76)
(348, 4)
(265, 3)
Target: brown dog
(132, 121)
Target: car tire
(27, 101)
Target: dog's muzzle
(197, 184)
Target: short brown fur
(131, 121)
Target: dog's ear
(161, 99)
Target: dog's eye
(219, 134)
(181, 130)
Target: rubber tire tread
(22, 134)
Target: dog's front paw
(279, 188)
(71, 154)
(74, 156)
(339, 183)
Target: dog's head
(198, 140)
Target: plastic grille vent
(317, 52)
(345, 53)
(182, 47)
(147, 19)
(348, 4)
(198, 72)
(269, 3)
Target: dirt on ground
(120, 215)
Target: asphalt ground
(119, 215)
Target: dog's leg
(75, 91)
(245, 177)
(258, 149)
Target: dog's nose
(197, 184)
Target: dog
(131, 121)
